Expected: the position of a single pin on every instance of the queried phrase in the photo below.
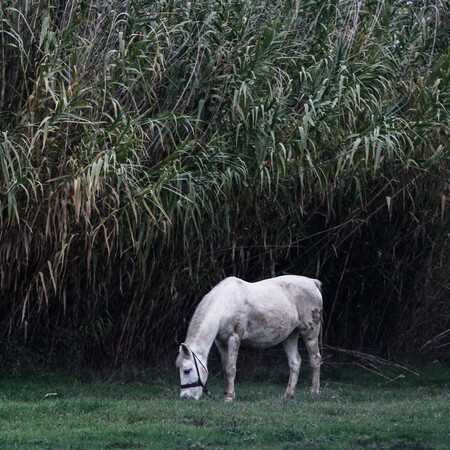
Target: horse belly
(266, 330)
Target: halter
(199, 382)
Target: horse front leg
(228, 355)
(290, 346)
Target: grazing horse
(261, 314)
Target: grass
(355, 410)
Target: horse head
(193, 374)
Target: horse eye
(187, 371)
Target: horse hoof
(228, 399)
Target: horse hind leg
(290, 346)
(312, 346)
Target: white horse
(261, 314)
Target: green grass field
(356, 410)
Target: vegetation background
(148, 149)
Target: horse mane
(204, 307)
(198, 318)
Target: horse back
(267, 311)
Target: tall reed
(150, 148)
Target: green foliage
(149, 148)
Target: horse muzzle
(192, 393)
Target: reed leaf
(150, 148)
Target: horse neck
(202, 333)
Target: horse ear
(184, 350)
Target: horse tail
(319, 285)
